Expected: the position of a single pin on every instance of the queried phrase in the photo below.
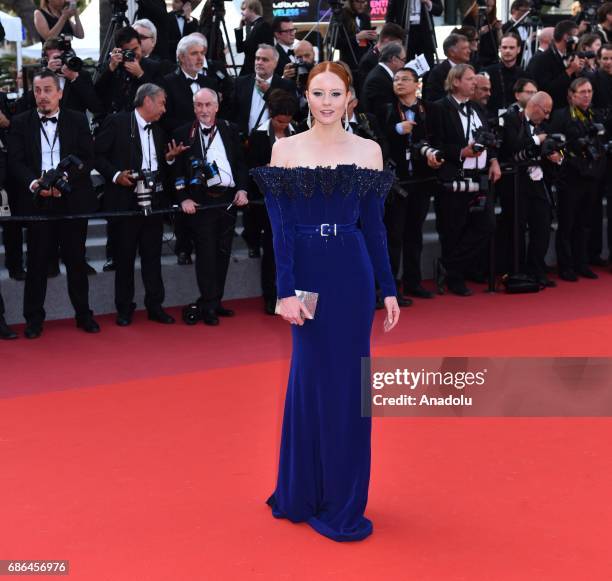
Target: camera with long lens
(479, 187)
(423, 149)
(484, 139)
(555, 142)
(58, 177)
(591, 145)
(204, 174)
(146, 186)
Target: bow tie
(148, 127)
(412, 108)
(290, 52)
(206, 130)
(464, 107)
(44, 120)
(190, 81)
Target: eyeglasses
(144, 37)
(546, 112)
(288, 30)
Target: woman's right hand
(294, 311)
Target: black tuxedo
(283, 59)
(243, 93)
(376, 92)
(350, 51)
(260, 33)
(156, 12)
(367, 62)
(463, 234)
(502, 82)
(25, 161)
(117, 148)
(404, 217)
(548, 69)
(420, 35)
(533, 201)
(212, 229)
(117, 89)
(174, 32)
(433, 83)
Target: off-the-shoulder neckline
(328, 167)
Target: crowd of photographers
(515, 116)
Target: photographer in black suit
(388, 33)
(420, 15)
(407, 135)
(583, 168)
(554, 69)
(132, 142)
(258, 31)
(180, 25)
(124, 72)
(465, 219)
(284, 36)
(523, 136)
(213, 170)
(355, 20)
(249, 106)
(38, 141)
(457, 50)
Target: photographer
(589, 45)
(584, 166)
(156, 12)
(408, 138)
(39, 142)
(555, 68)
(130, 156)
(53, 19)
(390, 32)
(258, 31)
(485, 20)
(125, 72)
(180, 25)
(284, 36)
(457, 50)
(522, 146)
(77, 87)
(211, 170)
(298, 73)
(604, 23)
(465, 219)
(355, 19)
(147, 32)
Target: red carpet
(146, 454)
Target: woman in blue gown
(329, 238)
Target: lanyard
(51, 145)
(469, 120)
(213, 134)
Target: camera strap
(212, 135)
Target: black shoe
(5, 331)
(599, 261)
(403, 301)
(183, 259)
(458, 288)
(419, 292)
(124, 319)
(109, 265)
(477, 277)
(545, 282)
(568, 275)
(209, 316)
(53, 271)
(440, 276)
(223, 312)
(586, 272)
(254, 253)
(160, 316)
(19, 274)
(90, 269)
(88, 324)
(33, 331)
(270, 306)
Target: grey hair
(187, 42)
(146, 23)
(393, 49)
(200, 36)
(147, 90)
(274, 50)
(211, 91)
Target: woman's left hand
(393, 313)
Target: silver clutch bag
(307, 297)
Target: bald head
(482, 93)
(545, 37)
(539, 107)
(304, 51)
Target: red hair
(330, 67)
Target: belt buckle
(324, 229)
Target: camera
(204, 174)
(302, 68)
(146, 186)
(192, 313)
(480, 189)
(591, 145)
(553, 143)
(58, 177)
(129, 56)
(484, 139)
(423, 149)
(119, 6)
(68, 56)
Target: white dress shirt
(479, 162)
(49, 145)
(257, 104)
(216, 152)
(195, 86)
(386, 68)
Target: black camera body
(129, 56)
(302, 68)
(555, 142)
(58, 177)
(146, 185)
(423, 148)
(484, 139)
(68, 56)
(204, 174)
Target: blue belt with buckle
(326, 230)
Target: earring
(347, 125)
(309, 119)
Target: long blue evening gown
(324, 468)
